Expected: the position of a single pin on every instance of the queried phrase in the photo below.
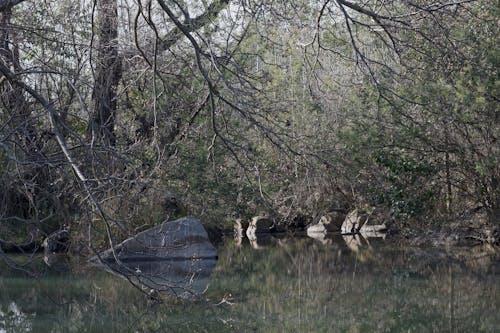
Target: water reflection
(178, 277)
(291, 285)
(14, 320)
(350, 283)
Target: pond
(338, 284)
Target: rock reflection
(262, 241)
(182, 278)
(58, 262)
(358, 243)
(319, 234)
(326, 238)
(360, 246)
(174, 258)
(354, 242)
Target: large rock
(185, 238)
(174, 257)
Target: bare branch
(8, 4)
(59, 137)
(191, 24)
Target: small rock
(354, 221)
(318, 228)
(241, 224)
(260, 224)
(330, 222)
(56, 242)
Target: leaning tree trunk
(108, 74)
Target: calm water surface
(275, 285)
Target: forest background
(118, 114)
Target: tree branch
(191, 24)
(8, 4)
(11, 77)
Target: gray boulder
(185, 238)
(174, 257)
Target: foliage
(236, 107)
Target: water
(286, 285)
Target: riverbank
(471, 228)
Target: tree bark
(108, 74)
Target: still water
(275, 285)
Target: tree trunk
(12, 98)
(108, 74)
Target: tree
(108, 73)
(259, 103)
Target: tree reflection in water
(292, 285)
